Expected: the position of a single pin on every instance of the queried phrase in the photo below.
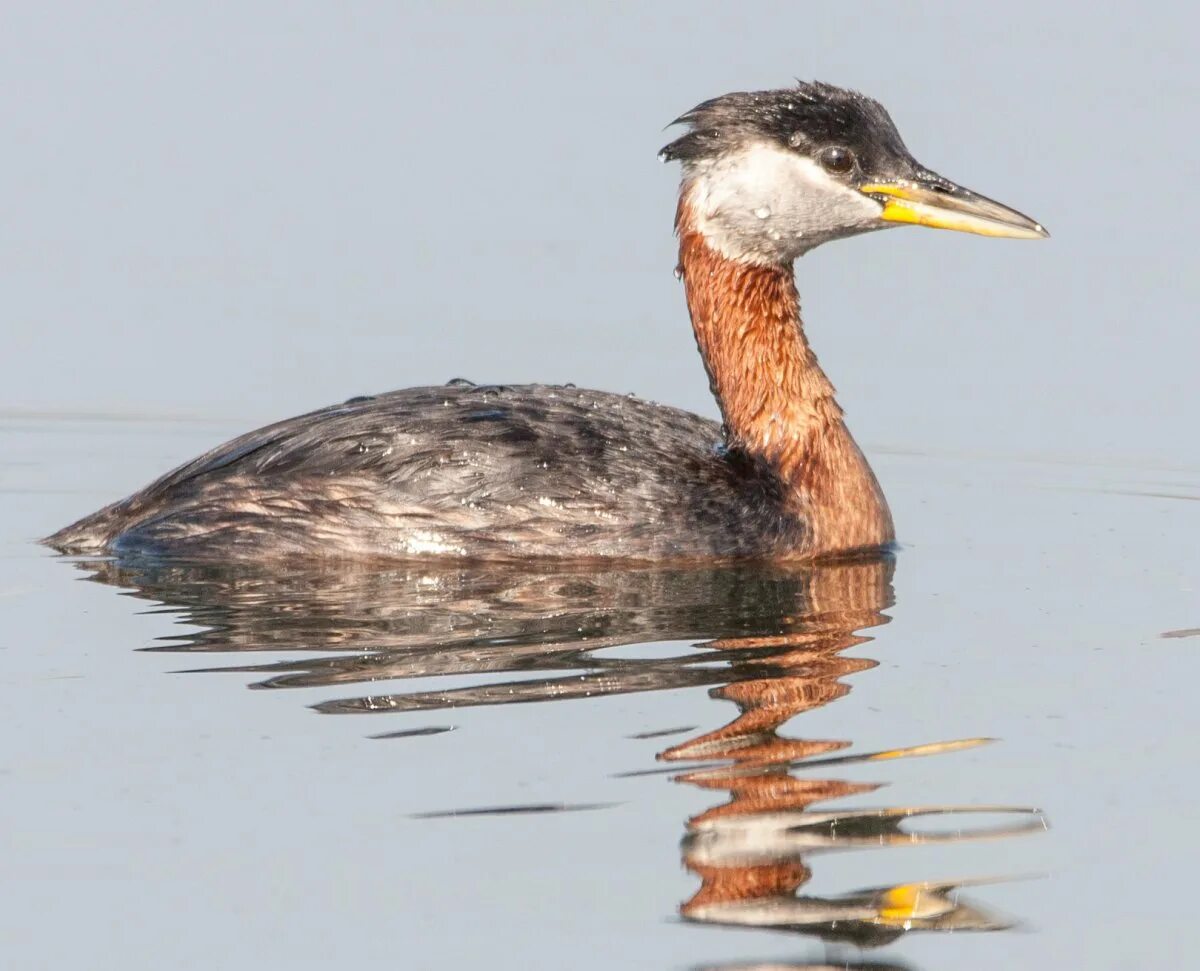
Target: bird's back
(458, 470)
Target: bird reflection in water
(771, 639)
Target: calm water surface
(852, 765)
(978, 755)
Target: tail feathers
(91, 534)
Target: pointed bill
(944, 205)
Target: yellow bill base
(918, 206)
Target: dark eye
(836, 159)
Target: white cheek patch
(767, 204)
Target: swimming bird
(543, 471)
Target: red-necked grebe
(510, 472)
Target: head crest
(811, 111)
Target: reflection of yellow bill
(931, 748)
(963, 211)
(903, 903)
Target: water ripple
(769, 640)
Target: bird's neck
(775, 400)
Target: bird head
(768, 175)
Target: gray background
(233, 213)
(250, 209)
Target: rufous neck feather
(776, 402)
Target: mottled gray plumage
(487, 471)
